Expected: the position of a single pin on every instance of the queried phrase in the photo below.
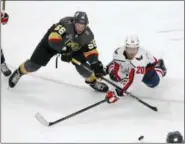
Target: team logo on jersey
(73, 45)
(140, 58)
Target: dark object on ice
(141, 137)
(174, 137)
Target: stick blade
(41, 119)
(155, 109)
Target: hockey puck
(140, 138)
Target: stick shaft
(4, 5)
(78, 112)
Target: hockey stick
(43, 121)
(131, 95)
(4, 5)
(113, 84)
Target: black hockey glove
(113, 76)
(111, 72)
(66, 54)
(119, 93)
(98, 69)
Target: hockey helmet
(132, 41)
(81, 17)
(174, 137)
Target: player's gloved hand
(113, 76)
(4, 18)
(111, 97)
(110, 71)
(98, 69)
(66, 54)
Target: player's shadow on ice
(52, 96)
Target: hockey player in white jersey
(131, 65)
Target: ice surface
(58, 92)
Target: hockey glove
(66, 54)
(4, 18)
(110, 71)
(113, 96)
(113, 77)
(98, 69)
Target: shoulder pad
(66, 20)
(118, 54)
(119, 50)
(87, 36)
(116, 51)
(89, 33)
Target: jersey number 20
(140, 70)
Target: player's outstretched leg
(40, 57)
(90, 79)
(161, 66)
(4, 68)
(99, 86)
(25, 68)
(152, 78)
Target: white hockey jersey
(129, 72)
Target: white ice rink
(58, 92)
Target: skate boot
(162, 66)
(98, 86)
(5, 70)
(14, 78)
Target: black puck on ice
(140, 138)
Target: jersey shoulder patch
(66, 23)
(87, 36)
(66, 20)
(118, 54)
(119, 49)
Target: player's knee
(151, 79)
(83, 72)
(91, 78)
(28, 67)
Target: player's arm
(113, 96)
(128, 84)
(55, 38)
(90, 52)
(119, 71)
(91, 55)
(114, 68)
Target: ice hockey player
(131, 65)
(72, 38)
(4, 68)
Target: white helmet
(132, 41)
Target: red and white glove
(111, 97)
(4, 18)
